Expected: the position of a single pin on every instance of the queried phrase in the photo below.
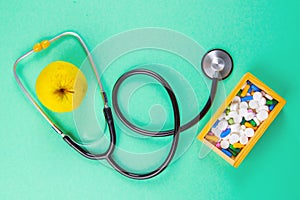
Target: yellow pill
(45, 44)
(248, 125)
(245, 90)
(212, 138)
(238, 145)
(37, 47)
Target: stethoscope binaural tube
(216, 64)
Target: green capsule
(230, 121)
(232, 152)
(253, 123)
(275, 102)
(239, 93)
(269, 102)
(243, 121)
(236, 150)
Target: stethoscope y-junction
(216, 64)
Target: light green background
(263, 38)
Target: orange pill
(245, 90)
(212, 138)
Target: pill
(236, 99)
(232, 114)
(216, 124)
(249, 132)
(217, 132)
(224, 144)
(269, 102)
(235, 127)
(223, 125)
(256, 121)
(257, 96)
(222, 116)
(227, 111)
(232, 152)
(210, 133)
(225, 133)
(237, 150)
(234, 106)
(262, 101)
(238, 145)
(255, 88)
(244, 86)
(247, 98)
(227, 118)
(226, 152)
(234, 138)
(243, 139)
(245, 91)
(248, 125)
(253, 123)
(262, 115)
(243, 112)
(243, 105)
(266, 108)
(249, 82)
(237, 119)
(268, 96)
(253, 104)
(249, 116)
(212, 138)
(218, 145)
(239, 93)
(230, 121)
(243, 121)
(271, 107)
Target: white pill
(243, 105)
(223, 125)
(249, 132)
(234, 138)
(243, 112)
(262, 101)
(235, 127)
(266, 108)
(243, 127)
(244, 139)
(253, 104)
(257, 96)
(232, 114)
(262, 115)
(268, 96)
(224, 144)
(222, 116)
(227, 117)
(234, 106)
(236, 99)
(256, 121)
(237, 119)
(216, 131)
(249, 116)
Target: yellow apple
(61, 86)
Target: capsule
(212, 138)
(226, 152)
(255, 88)
(248, 125)
(271, 107)
(225, 133)
(245, 90)
(238, 145)
(237, 150)
(253, 123)
(232, 152)
(247, 98)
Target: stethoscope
(216, 64)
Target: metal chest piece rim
(217, 63)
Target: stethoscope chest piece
(217, 63)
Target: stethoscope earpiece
(217, 63)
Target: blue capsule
(271, 107)
(225, 133)
(247, 98)
(226, 152)
(255, 89)
(216, 124)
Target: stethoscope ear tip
(217, 63)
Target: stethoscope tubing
(108, 154)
